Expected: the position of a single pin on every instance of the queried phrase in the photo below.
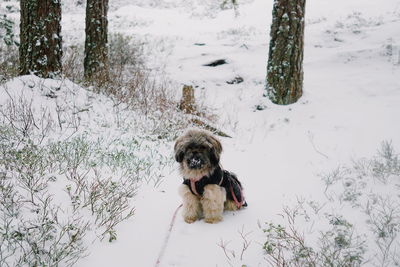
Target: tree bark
(284, 83)
(40, 48)
(96, 53)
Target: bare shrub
(73, 63)
(236, 257)
(131, 82)
(39, 163)
(133, 85)
(337, 246)
(33, 229)
(9, 57)
(9, 62)
(230, 4)
(341, 245)
(125, 54)
(106, 197)
(386, 164)
(286, 247)
(384, 222)
(366, 192)
(19, 114)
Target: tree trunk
(40, 48)
(285, 61)
(96, 59)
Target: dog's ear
(215, 150)
(179, 149)
(214, 157)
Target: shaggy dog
(207, 189)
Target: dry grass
(133, 85)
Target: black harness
(228, 180)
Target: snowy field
(327, 156)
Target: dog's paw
(190, 219)
(230, 205)
(213, 219)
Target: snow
(350, 105)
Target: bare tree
(285, 61)
(40, 48)
(96, 59)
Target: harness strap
(193, 187)
(237, 203)
(222, 179)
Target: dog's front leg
(212, 202)
(191, 204)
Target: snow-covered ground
(350, 105)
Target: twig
(311, 138)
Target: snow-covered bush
(358, 224)
(34, 229)
(70, 166)
(338, 245)
(132, 83)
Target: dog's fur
(198, 153)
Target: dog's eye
(179, 156)
(191, 147)
(196, 147)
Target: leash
(237, 203)
(171, 225)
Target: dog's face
(198, 153)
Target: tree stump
(188, 104)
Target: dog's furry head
(198, 152)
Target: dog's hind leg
(191, 204)
(212, 202)
(230, 205)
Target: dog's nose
(195, 162)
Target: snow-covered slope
(350, 105)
